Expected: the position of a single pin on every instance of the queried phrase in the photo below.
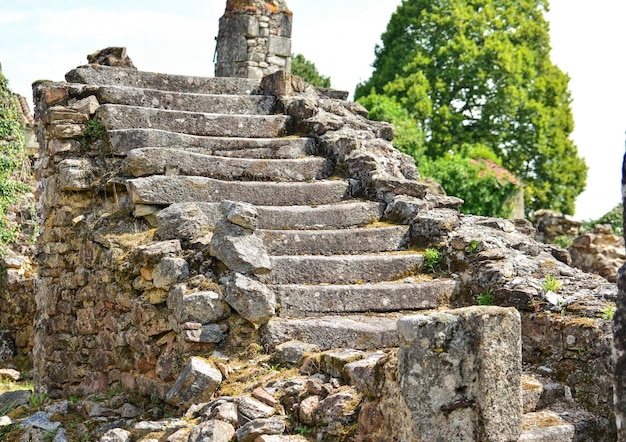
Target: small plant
(433, 260)
(563, 241)
(37, 400)
(582, 350)
(536, 305)
(303, 430)
(485, 298)
(73, 399)
(95, 130)
(551, 284)
(608, 312)
(472, 247)
(49, 435)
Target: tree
(306, 69)
(478, 72)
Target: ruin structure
(254, 39)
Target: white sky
(43, 39)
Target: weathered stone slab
(196, 383)
(328, 242)
(121, 141)
(258, 427)
(467, 363)
(158, 161)
(203, 307)
(329, 216)
(546, 426)
(192, 102)
(212, 431)
(357, 332)
(103, 75)
(312, 300)
(115, 116)
(342, 269)
(166, 190)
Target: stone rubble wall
(254, 39)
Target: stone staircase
(340, 273)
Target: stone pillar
(254, 39)
(619, 339)
(460, 372)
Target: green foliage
(12, 160)
(306, 69)
(408, 137)
(563, 241)
(432, 260)
(478, 72)
(303, 430)
(608, 312)
(485, 298)
(95, 130)
(485, 191)
(37, 400)
(551, 284)
(613, 217)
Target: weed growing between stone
(485, 298)
(432, 260)
(608, 312)
(551, 284)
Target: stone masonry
(186, 218)
(254, 39)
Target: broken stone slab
(327, 332)
(116, 435)
(333, 362)
(242, 214)
(103, 75)
(342, 269)
(195, 384)
(194, 102)
(343, 214)
(41, 420)
(336, 241)
(467, 362)
(116, 116)
(122, 141)
(546, 426)
(253, 409)
(253, 300)
(165, 161)
(311, 300)
(14, 399)
(165, 190)
(258, 427)
(239, 249)
(366, 375)
(532, 389)
(212, 431)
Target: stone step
(116, 116)
(298, 301)
(331, 242)
(120, 142)
(159, 161)
(359, 332)
(340, 215)
(193, 102)
(342, 269)
(166, 190)
(105, 75)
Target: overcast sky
(43, 39)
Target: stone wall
(254, 39)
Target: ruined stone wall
(254, 39)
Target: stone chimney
(254, 39)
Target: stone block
(207, 334)
(253, 300)
(75, 175)
(195, 384)
(212, 431)
(239, 249)
(241, 214)
(292, 352)
(258, 427)
(467, 362)
(334, 361)
(169, 271)
(279, 46)
(203, 307)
